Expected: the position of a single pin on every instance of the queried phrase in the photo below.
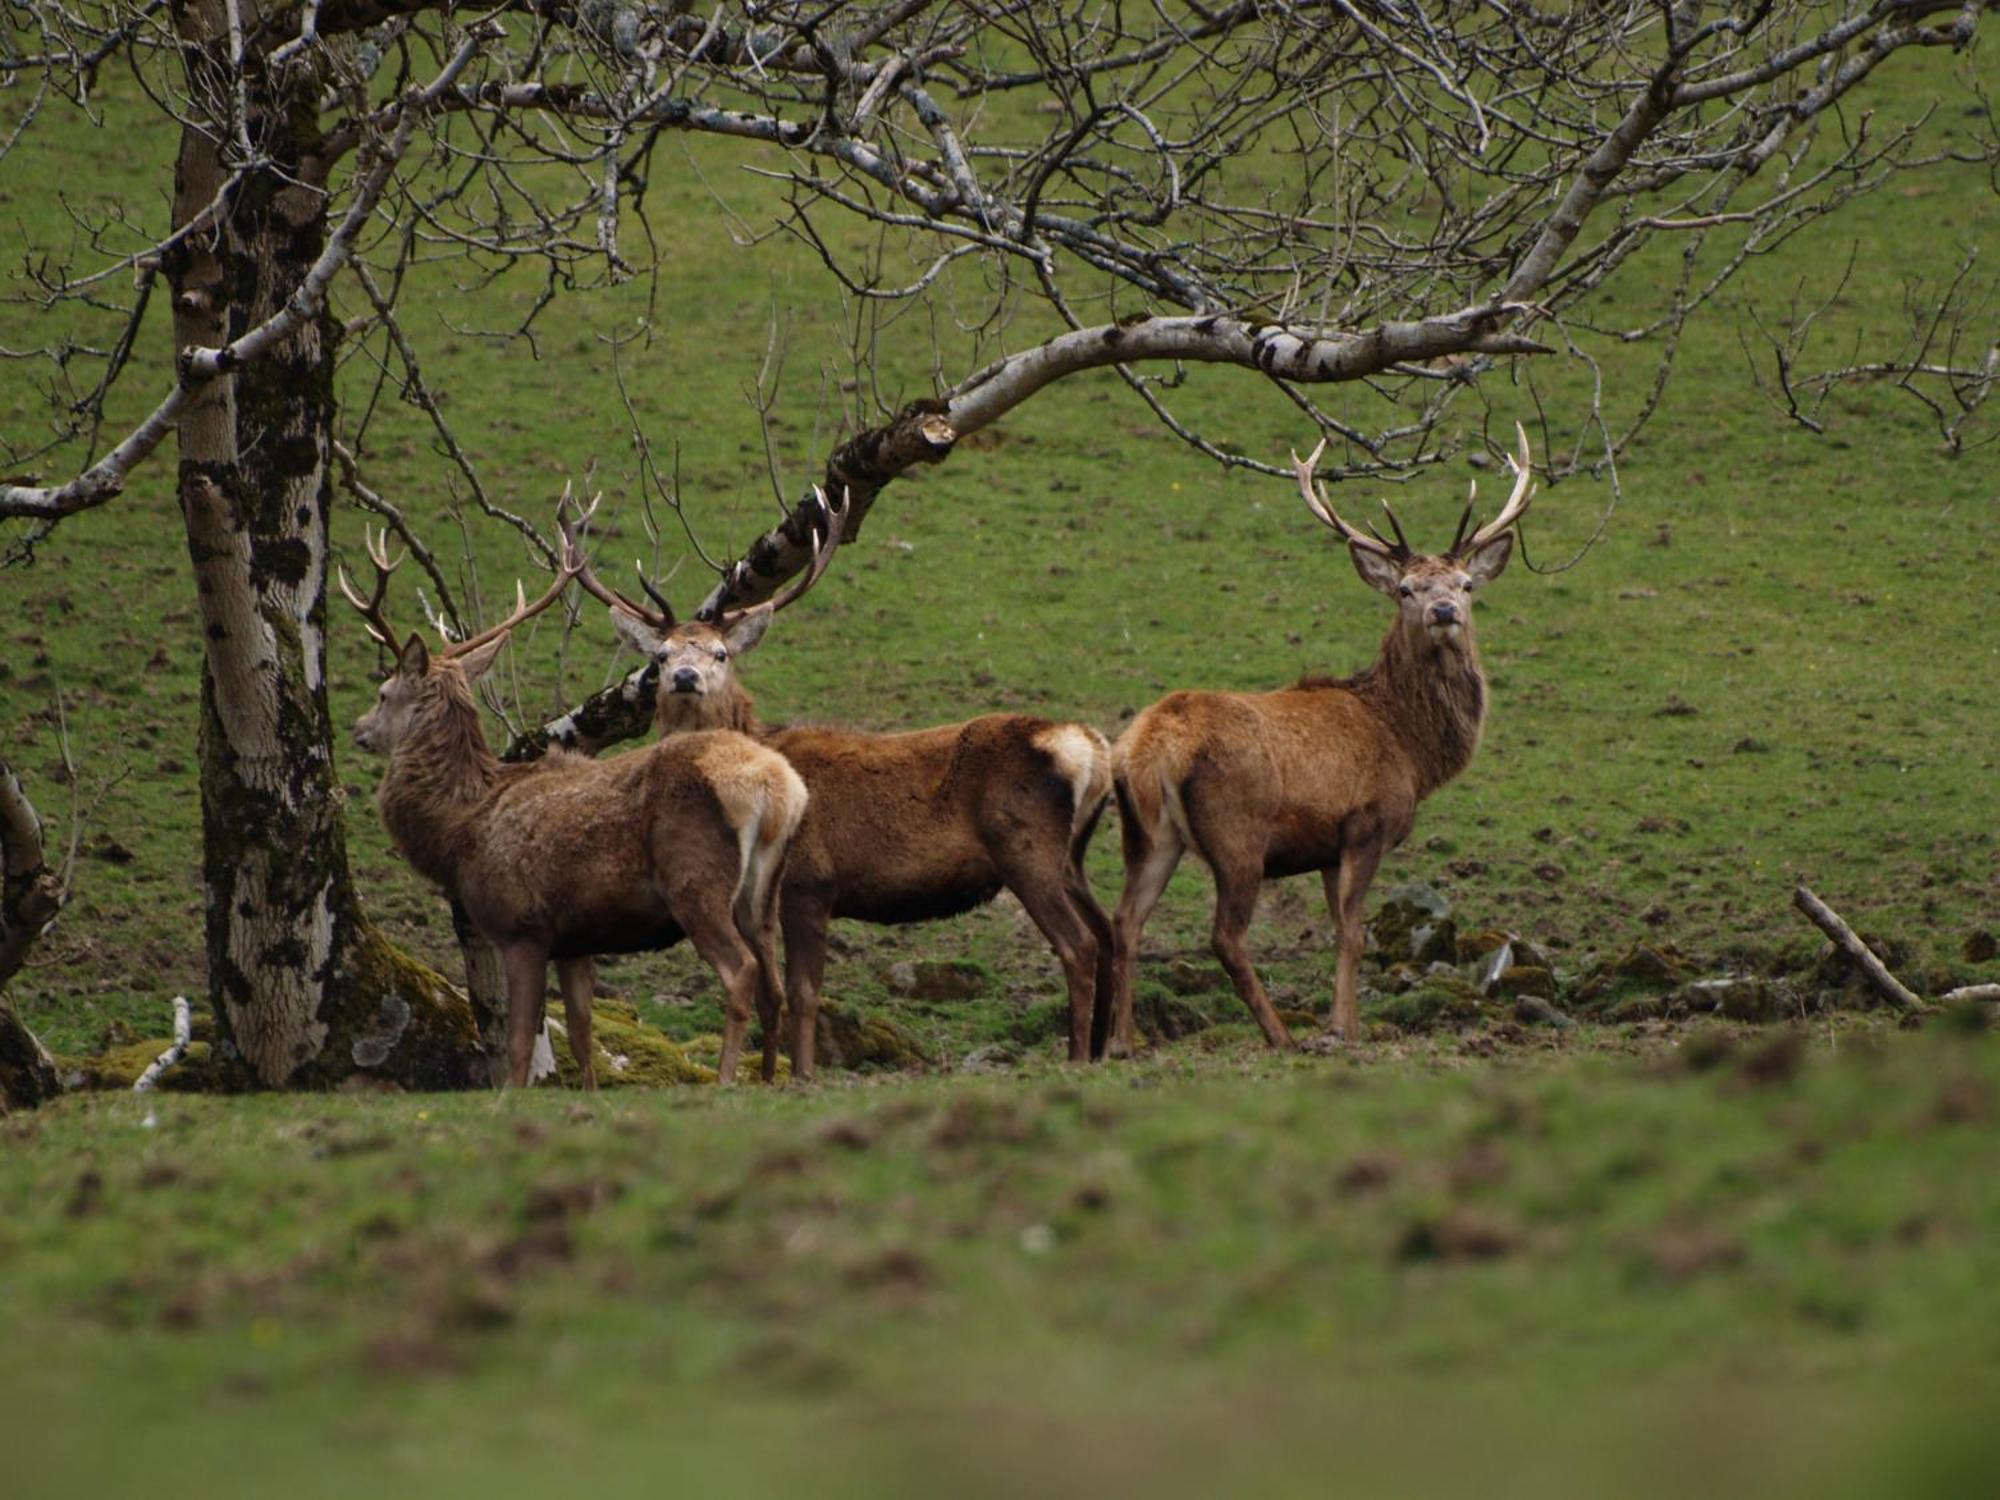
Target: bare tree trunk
(304, 989)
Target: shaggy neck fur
(1432, 697)
(439, 773)
(676, 713)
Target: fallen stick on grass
(1970, 992)
(183, 1026)
(1828, 921)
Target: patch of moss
(1642, 969)
(1439, 1002)
(866, 1043)
(631, 1054)
(404, 1023)
(120, 1067)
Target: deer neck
(1433, 697)
(439, 774)
(678, 713)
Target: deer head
(1433, 592)
(696, 657)
(401, 699)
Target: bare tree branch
(196, 367)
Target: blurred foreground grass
(1747, 1263)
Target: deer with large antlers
(566, 857)
(1325, 775)
(901, 827)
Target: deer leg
(1346, 895)
(1104, 982)
(1051, 904)
(577, 978)
(1235, 903)
(804, 918)
(526, 966)
(759, 930)
(715, 938)
(1150, 858)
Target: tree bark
(305, 990)
(31, 896)
(27, 1073)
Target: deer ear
(479, 660)
(415, 658)
(637, 634)
(1377, 571)
(741, 632)
(1486, 563)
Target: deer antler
(1517, 503)
(826, 537)
(661, 621)
(371, 608)
(568, 566)
(1370, 540)
(823, 545)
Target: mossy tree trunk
(305, 990)
(31, 897)
(27, 1073)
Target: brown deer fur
(1325, 775)
(907, 827)
(565, 857)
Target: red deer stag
(901, 827)
(1322, 776)
(565, 857)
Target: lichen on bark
(306, 991)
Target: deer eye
(721, 653)
(1407, 591)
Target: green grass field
(1776, 665)
(1642, 1255)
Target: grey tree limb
(1828, 921)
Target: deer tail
(1148, 769)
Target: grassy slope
(1770, 1287)
(1821, 599)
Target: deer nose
(686, 680)
(1444, 614)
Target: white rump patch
(1083, 756)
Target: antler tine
(1464, 519)
(1402, 542)
(1317, 503)
(1517, 502)
(822, 554)
(569, 568)
(823, 547)
(585, 575)
(370, 609)
(665, 618)
(377, 543)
